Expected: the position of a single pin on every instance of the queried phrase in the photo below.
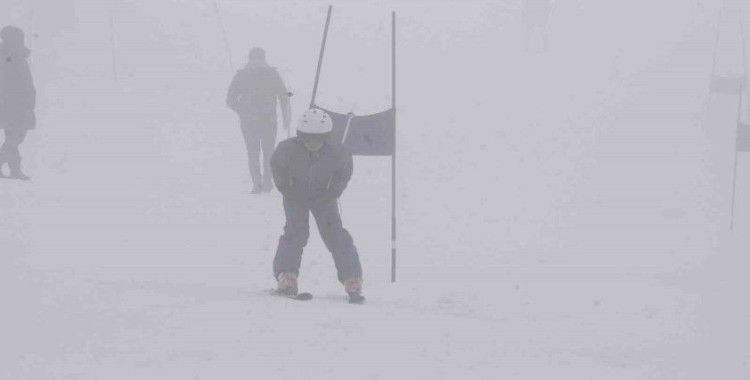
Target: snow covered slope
(562, 214)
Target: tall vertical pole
(745, 71)
(227, 45)
(742, 39)
(32, 26)
(393, 157)
(743, 91)
(113, 41)
(716, 43)
(734, 174)
(320, 57)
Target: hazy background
(562, 213)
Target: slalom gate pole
(393, 157)
(320, 57)
(224, 35)
(112, 39)
(743, 39)
(32, 26)
(349, 118)
(716, 43)
(745, 71)
(743, 92)
(736, 154)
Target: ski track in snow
(137, 252)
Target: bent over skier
(311, 172)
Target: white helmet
(315, 121)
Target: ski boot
(287, 284)
(353, 288)
(14, 164)
(19, 176)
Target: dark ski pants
(297, 231)
(260, 135)
(9, 152)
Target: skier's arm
(32, 96)
(283, 95)
(28, 95)
(280, 170)
(286, 113)
(32, 90)
(342, 176)
(233, 93)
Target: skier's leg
(4, 152)
(268, 144)
(296, 232)
(13, 155)
(338, 240)
(252, 143)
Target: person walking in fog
(311, 172)
(17, 99)
(253, 95)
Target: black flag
(743, 138)
(369, 135)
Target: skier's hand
(333, 193)
(336, 189)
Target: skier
(536, 15)
(17, 98)
(253, 95)
(311, 172)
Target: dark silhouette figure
(312, 172)
(253, 95)
(17, 98)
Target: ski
(302, 297)
(297, 297)
(356, 299)
(14, 178)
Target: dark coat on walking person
(254, 92)
(17, 92)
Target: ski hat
(12, 35)
(257, 53)
(315, 122)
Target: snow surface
(563, 215)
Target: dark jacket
(17, 92)
(303, 175)
(254, 92)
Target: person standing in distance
(253, 95)
(312, 172)
(17, 99)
